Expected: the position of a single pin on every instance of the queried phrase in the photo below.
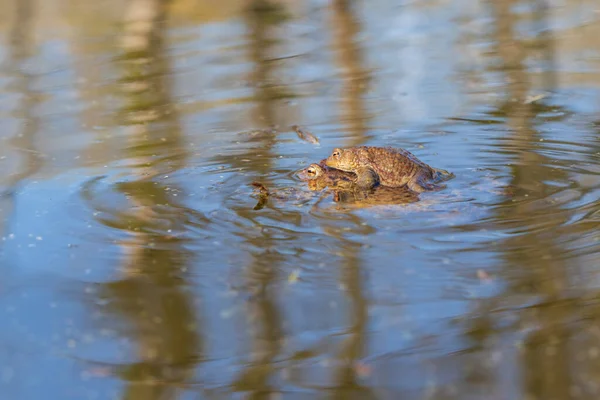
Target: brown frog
(387, 166)
(319, 176)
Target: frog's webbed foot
(440, 175)
(366, 178)
(421, 185)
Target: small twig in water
(305, 135)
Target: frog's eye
(336, 153)
(311, 171)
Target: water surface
(134, 265)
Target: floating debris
(262, 202)
(305, 135)
(263, 195)
(533, 99)
(262, 188)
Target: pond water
(135, 266)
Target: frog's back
(395, 166)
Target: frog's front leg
(366, 178)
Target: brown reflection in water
(533, 264)
(354, 75)
(267, 333)
(21, 49)
(152, 297)
(263, 19)
(545, 43)
(350, 367)
(262, 272)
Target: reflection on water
(136, 266)
(150, 300)
(19, 49)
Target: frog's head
(342, 159)
(313, 171)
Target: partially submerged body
(285, 195)
(345, 190)
(319, 176)
(364, 176)
(387, 166)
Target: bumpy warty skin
(394, 167)
(320, 176)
